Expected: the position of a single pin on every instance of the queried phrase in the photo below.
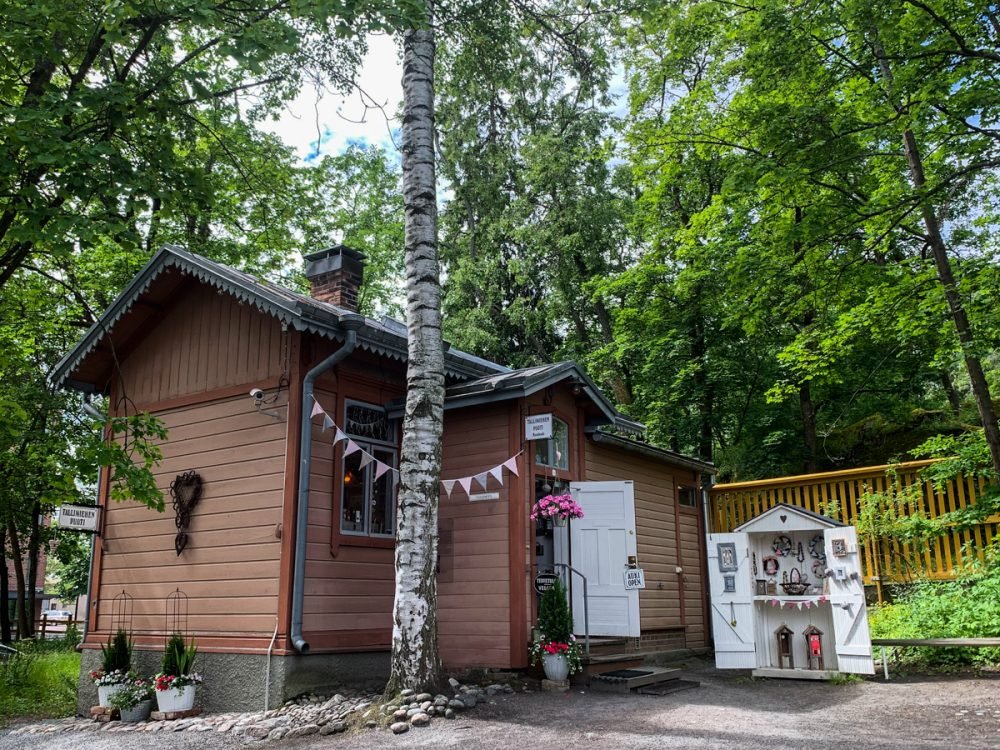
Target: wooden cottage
(286, 578)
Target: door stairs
(613, 667)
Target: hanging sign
(635, 578)
(538, 427)
(79, 517)
(545, 581)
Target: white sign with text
(635, 578)
(538, 427)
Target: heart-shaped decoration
(783, 518)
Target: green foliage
(178, 657)
(966, 608)
(116, 654)
(38, 684)
(555, 623)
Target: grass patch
(39, 683)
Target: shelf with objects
(787, 597)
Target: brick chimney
(335, 275)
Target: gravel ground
(729, 710)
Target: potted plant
(554, 644)
(557, 508)
(177, 681)
(116, 663)
(134, 700)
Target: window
(554, 452)
(687, 497)
(368, 504)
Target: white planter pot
(556, 666)
(137, 713)
(104, 693)
(176, 699)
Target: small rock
(399, 714)
(391, 709)
(449, 713)
(277, 733)
(420, 720)
(257, 731)
(424, 705)
(456, 704)
(424, 697)
(371, 724)
(303, 731)
(469, 700)
(406, 693)
(455, 684)
(431, 711)
(399, 727)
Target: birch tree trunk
(415, 660)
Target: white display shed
(788, 599)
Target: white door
(732, 610)
(600, 545)
(847, 601)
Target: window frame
(684, 508)
(549, 442)
(371, 445)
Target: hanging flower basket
(556, 508)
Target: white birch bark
(415, 660)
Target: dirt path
(729, 710)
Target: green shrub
(966, 608)
(178, 658)
(554, 620)
(116, 655)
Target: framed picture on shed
(727, 557)
(839, 547)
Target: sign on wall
(545, 581)
(538, 427)
(635, 578)
(79, 517)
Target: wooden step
(626, 680)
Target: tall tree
(415, 659)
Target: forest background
(767, 229)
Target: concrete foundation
(238, 682)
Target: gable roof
(786, 508)
(386, 337)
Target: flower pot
(556, 667)
(560, 520)
(176, 699)
(138, 712)
(104, 693)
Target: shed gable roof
(766, 521)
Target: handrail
(586, 612)
(863, 471)
(883, 643)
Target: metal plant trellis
(121, 612)
(176, 620)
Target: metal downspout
(351, 325)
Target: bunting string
(448, 485)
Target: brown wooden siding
(229, 570)
(204, 342)
(474, 586)
(659, 525)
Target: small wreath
(819, 569)
(771, 565)
(816, 548)
(782, 546)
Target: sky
(321, 123)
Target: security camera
(257, 394)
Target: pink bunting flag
(366, 458)
(481, 479)
(338, 436)
(466, 484)
(317, 409)
(380, 469)
(327, 422)
(449, 485)
(511, 465)
(352, 447)
(497, 473)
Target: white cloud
(324, 122)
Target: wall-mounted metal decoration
(186, 492)
(727, 557)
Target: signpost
(538, 427)
(545, 581)
(80, 518)
(635, 578)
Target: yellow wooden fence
(882, 560)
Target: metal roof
(386, 337)
(645, 449)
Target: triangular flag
(338, 436)
(449, 485)
(327, 422)
(800, 606)
(466, 484)
(481, 479)
(380, 469)
(511, 465)
(366, 458)
(352, 447)
(317, 409)
(497, 473)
